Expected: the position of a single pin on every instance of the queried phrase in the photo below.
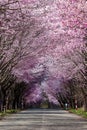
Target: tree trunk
(85, 103)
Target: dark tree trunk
(85, 103)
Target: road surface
(43, 120)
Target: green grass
(44, 106)
(11, 111)
(79, 112)
(2, 114)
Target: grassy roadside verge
(79, 112)
(12, 111)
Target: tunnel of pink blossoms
(53, 43)
(56, 32)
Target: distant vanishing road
(41, 119)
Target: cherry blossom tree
(62, 43)
(13, 30)
(54, 44)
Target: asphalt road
(43, 120)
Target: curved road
(43, 120)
